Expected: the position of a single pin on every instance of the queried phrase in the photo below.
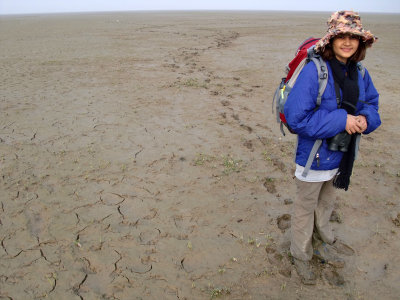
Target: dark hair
(328, 54)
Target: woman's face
(344, 46)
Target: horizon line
(179, 10)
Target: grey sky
(45, 6)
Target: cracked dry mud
(139, 160)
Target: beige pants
(313, 206)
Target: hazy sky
(45, 6)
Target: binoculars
(339, 142)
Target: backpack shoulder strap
(322, 70)
(310, 159)
(361, 68)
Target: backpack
(304, 54)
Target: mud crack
(77, 287)
(119, 211)
(54, 283)
(44, 256)
(183, 266)
(118, 195)
(106, 217)
(3, 246)
(116, 263)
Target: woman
(349, 107)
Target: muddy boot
(305, 271)
(327, 254)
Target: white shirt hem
(314, 175)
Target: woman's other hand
(353, 125)
(362, 121)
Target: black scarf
(348, 83)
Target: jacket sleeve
(300, 111)
(371, 107)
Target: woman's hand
(353, 125)
(362, 120)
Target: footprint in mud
(196, 263)
(279, 261)
(140, 268)
(149, 237)
(225, 102)
(236, 117)
(333, 277)
(248, 144)
(342, 248)
(269, 184)
(284, 222)
(288, 201)
(37, 219)
(185, 226)
(396, 219)
(109, 198)
(226, 40)
(246, 127)
(279, 164)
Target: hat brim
(366, 36)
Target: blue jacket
(327, 120)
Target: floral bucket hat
(345, 22)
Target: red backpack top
(300, 55)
